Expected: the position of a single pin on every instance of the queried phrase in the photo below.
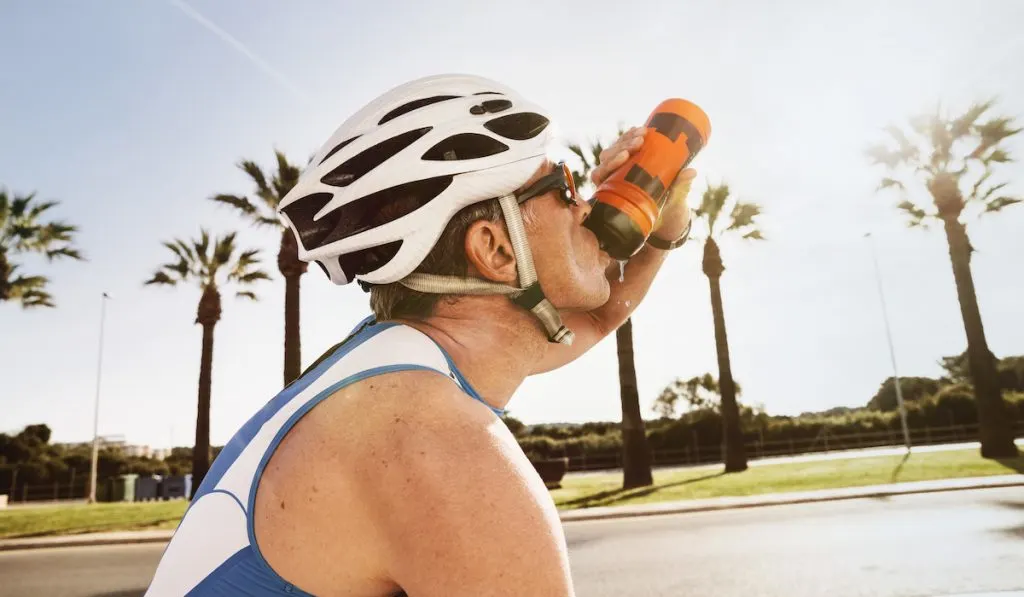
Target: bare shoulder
(403, 480)
(454, 495)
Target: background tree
(636, 453)
(949, 154)
(212, 266)
(721, 222)
(22, 231)
(912, 388)
(264, 213)
(697, 393)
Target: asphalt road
(955, 543)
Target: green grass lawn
(83, 518)
(606, 490)
(576, 492)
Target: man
(385, 467)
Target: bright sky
(132, 113)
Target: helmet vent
(383, 207)
(413, 105)
(301, 214)
(358, 165)
(519, 127)
(338, 148)
(367, 260)
(465, 146)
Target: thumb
(681, 186)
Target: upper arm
(461, 511)
(588, 328)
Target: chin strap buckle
(532, 298)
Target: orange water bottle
(628, 202)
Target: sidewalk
(795, 497)
(87, 539)
(810, 457)
(604, 513)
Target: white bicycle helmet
(378, 194)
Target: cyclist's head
(415, 197)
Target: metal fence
(694, 454)
(826, 441)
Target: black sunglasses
(560, 179)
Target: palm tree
(636, 452)
(211, 266)
(740, 221)
(21, 232)
(264, 213)
(946, 153)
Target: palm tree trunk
(201, 451)
(735, 456)
(995, 433)
(292, 340)
(291, 268)
(636, 454)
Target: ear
(489, 252)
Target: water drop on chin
(622, 271)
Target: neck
(494, 343)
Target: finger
(630, 141)
(621, 142)
(686, 175)
(609, 166)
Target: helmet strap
(532, 298)
(529, 296)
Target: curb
(605, 512)
(86, 540)
(791, 498)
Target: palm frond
(161, 277)
(915, 214)
(743, 215)
(54, 232)
(577, 150)
(224, 248)
(890, 182)
(242, 204)
(246, 294)
(1000, 203)
(890, 158)
(992, 190)
(176, 249)
(183, 268)
(754, 235)
(285, 179)
(247, 258)
(20, 204)
(35, 298)
(186, 251)
(64, 252)
(996, 130)
(595, 153)
(904, 145)
(998, 156)
(253, 276)
(962, 126)
(38, 209)
(202, 246)
(973, 196)
(23, 284)
(711, 204)
(263, 190)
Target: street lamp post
(96, 410)
(892, 350)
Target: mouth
(601, 252)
